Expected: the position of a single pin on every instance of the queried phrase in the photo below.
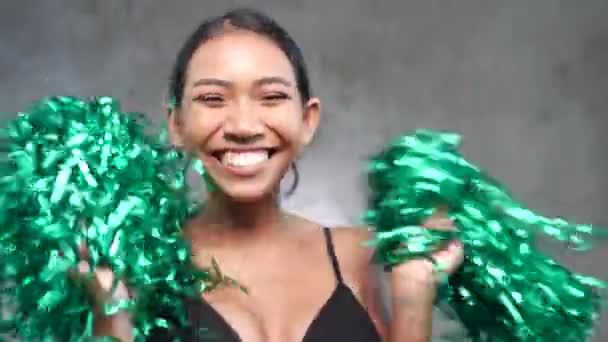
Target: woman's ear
(312, 117)
(174, 126)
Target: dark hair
(245, 19)
(250, 20)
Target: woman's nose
(243, 123)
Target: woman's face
(242, 114)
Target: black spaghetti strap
(332, 254)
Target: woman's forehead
(239, 55)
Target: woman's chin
(260, 187)
(247, 195)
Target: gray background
(525, 82)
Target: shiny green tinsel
(83, 172)
(506, 289)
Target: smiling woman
(240, 106)
(243, 105)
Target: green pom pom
(74, 172)
(506, 289)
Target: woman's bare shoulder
(353, 232)
(352, 237)
(351, 247)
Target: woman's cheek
(198, 129)
(286, 123)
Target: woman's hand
(99, 286)
(422, 271)
(414, 287)
(99, 283)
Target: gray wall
(526, 83)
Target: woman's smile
(244, 162)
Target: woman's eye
(210, 99)
(275, 97)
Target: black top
(341, 318)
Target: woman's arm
(409, 313)
(119, 325)
(410, 287)
(412, 301)
(414, 288)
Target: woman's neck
(255, 219)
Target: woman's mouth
(244, 158)
(244, 162)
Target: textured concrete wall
(526, 82)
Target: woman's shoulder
(350, 244)
(351, 236)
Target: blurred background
(525, 82)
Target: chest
(284, 294)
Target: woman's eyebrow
(212, 81)
(272, 80)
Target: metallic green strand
(78, 171)
(506, 289)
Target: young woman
(242, 103)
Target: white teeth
(244, 158)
